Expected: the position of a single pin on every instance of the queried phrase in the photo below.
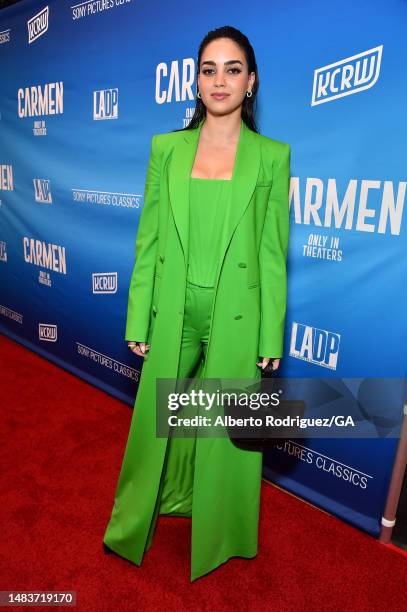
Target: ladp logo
(106, 104)
(318, 346)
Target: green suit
(248, 315)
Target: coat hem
(122, 554)
(239, 556)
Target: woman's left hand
(264, 362)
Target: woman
(207, 299)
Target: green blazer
(247, 320)
(260, 202)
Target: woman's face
(223, 78)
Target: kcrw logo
(346, 77)
(37, 25)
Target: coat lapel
(245, 173)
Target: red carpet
(62, 442)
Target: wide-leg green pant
(178, 472)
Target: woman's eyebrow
(212, 63)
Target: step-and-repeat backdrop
(84, 87)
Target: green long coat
(247, 321)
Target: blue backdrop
(83, 89)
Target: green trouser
(178, 472)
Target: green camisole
(208, 200)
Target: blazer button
(242, 264)
(238, 316)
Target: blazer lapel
(245, 173)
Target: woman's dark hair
(248, 103)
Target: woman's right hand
(140, 348)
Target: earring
(249, 94)
(198, 95)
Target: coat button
(241, 264)
(238, 316)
